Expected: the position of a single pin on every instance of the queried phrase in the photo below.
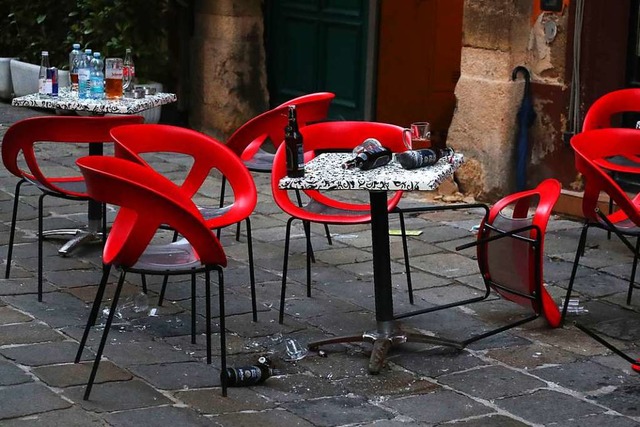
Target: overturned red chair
(148, 200)
(510, 248)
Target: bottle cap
(349, 164)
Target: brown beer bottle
(244, 376)
(293, 146)
(413, 159)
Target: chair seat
(70, 187)
(262, 161)
(322, 209)
(209, 212)
(625, 226)
(173, 257)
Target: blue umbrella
(526, 116)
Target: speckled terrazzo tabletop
(68, 101)
(325, 172)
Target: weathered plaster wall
(229, 82)
(498, 35)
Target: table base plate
(80, 237)
(387, 335)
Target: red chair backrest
(147, 200)
(512, 263)
(207, 153)
(336, 136)
(592, 149)
(23, 135)
(270, 124)
(602, 111)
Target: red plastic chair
(250, 139)
(148, 200)
(510, 248)
(19, 142)
(209, 156)
(321, 208)
(605, 111)
(594, 151)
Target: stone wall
(498, 36)
(228, 79)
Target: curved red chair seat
(148, 200)
(19, 143)
(320, 207)
(208, 158)
(250, 139)
(593, 149)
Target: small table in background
(67, 101)
(325, 172)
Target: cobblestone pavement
(153, 375)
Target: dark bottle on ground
(413, 159)
(248, 375)
(293, 146)
(370, 154)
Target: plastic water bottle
(84, 74)
(97, 77)
(74, 61)
(44, 79)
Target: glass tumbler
(113, 72)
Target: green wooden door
(316, 46)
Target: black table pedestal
(388, 332)
(93, 232)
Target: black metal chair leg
(95, 309)
(252, 276)
(405, 248)
(328, 234)
(165, 279)
(283, 291)
(105, 333)
(223, 186)
(306, 225)
(223, 334)
(143, 278)
(40, 239)
(12, 231)
(579, 253)
(104, 223)
(207, 312)
(308, 258)
(162, 290)
(610, 212)
(193, 309)
(632, 279)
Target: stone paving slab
(29, 398)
